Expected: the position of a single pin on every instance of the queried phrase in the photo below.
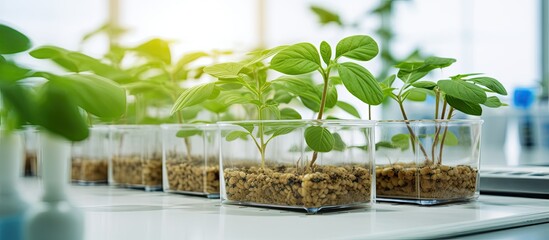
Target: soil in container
(426, 181)
(134, 171)
(193, 175)
(290, 186)
(89, 170)
(31, 164)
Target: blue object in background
(11, 227)
(523, 99)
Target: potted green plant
(433, 161)
(54, 106)
(278, 161)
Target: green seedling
(296, 61)
(304, 58)
(465, 93)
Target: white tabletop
(114, 214)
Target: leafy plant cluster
(247, 83)
(55, 105)
(464, 92)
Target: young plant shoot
(304, 58)
(465, 93)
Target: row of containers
(270, 163)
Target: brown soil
(285, 185)
(425, 181)
(31, 164)
(132, 171)
(89, 170)
(193, 176)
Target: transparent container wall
(90, 158)
(30, 162)
(190, 156)
(427, 162)
(136, 157)
(284, 177)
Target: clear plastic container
(90, 158)
(428, 162)
(190, 156)
(283, 176)
(136, 160)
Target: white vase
(54, 218)
(12, 206)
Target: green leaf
(248, 126)
(339, 144)
(325, 52)
(193, 96)
(311, 105)
(59, 114)
(358, 47)
(97, 95)
(409, 66)
(401, 141)
(12, 41)
(466, 107)
(493, 102)
(299, 87)
(189, 58)
(185, 133)
(224, 70)
(319, 139)
(289, 113)
(331, 96)
(388, 82)
(278, 131)
(297, 59)
(156, 49)
(463, 90)
(450, 139)
(348, 108)
(335, 80)
(236, 135)
(411, 76)
(491, 84)
(259, 56)
(325, 16)
(21, 100)
(382, 144)
(416, 94)
(11, 72)
(360, 83)
(425, 84)
(438, 62)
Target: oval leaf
(289, 113)
(490, 83)
(319, 139)
(493, 102)
(463, 90)
(325, 52)
(425, 84)
(12, 41)
(193, 96)
(157, 49)
(464, 106)
(297, 59)
(348, 108)
(97, 95)
(358, 47)
(236, 135)
(360, 83)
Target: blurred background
(505, 39)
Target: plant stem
(369, 112)
(444, 135)
(411, 131)
(437, 128)
(325, 77)
(180, 119)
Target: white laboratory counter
(116, 214)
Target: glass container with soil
(136, 160)
(90, 158)
(427, 162)
(30, 139)
(269, 163)
(190, 159)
